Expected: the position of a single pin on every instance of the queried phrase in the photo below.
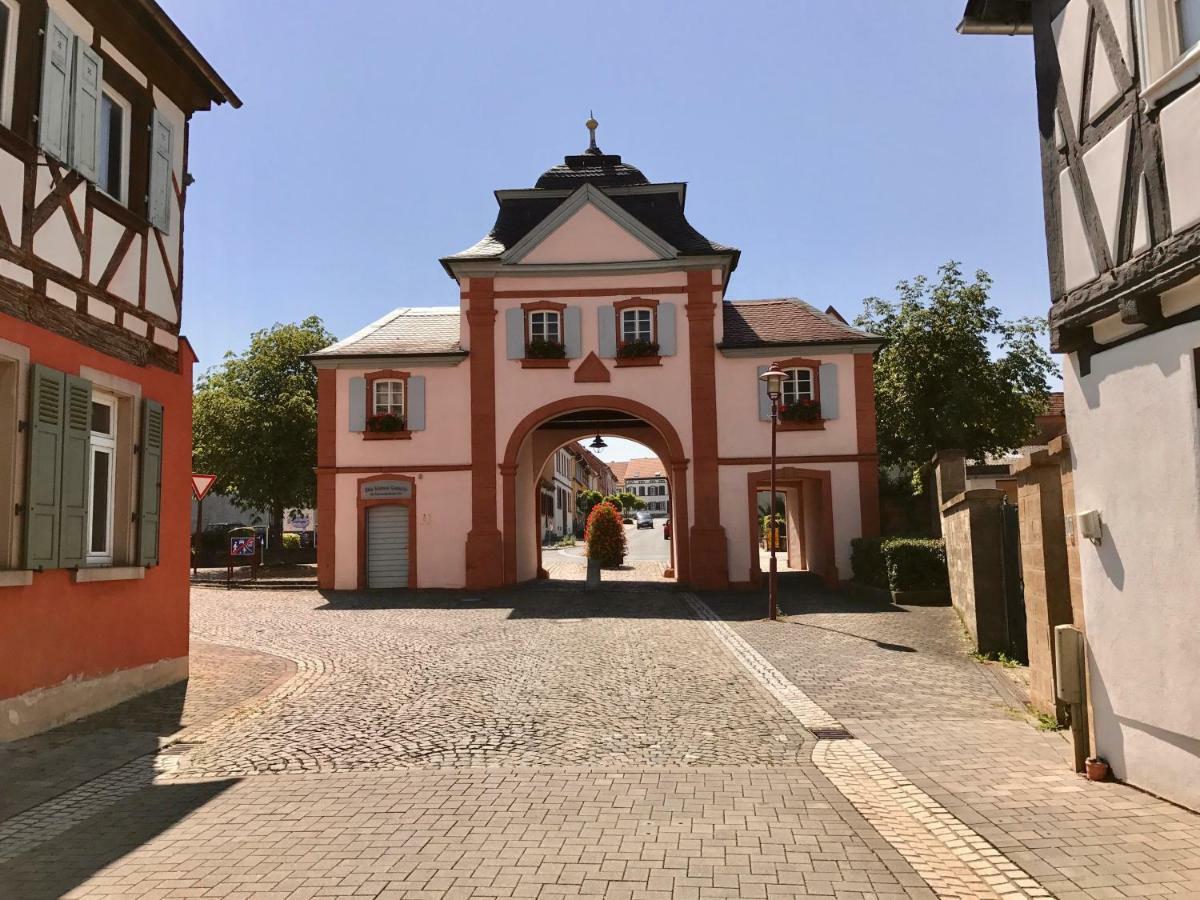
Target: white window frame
(8, 76)
(792, 379)
(547, 316)
(636, 311)
(126, 135)
(1165, 65)
(98, 442)
(391, 407)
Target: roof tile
(788, 320)
(405, 331)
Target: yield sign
(202, 484)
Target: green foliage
(540, 348)
(625, 502)
(1002, 658)
(866, 562)
(255, 419)
(291, 540)
(916, 564)
(938, 385)
(900, 563)
(585, 501)
(605, 535)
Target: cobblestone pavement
(625, 744)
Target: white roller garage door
(387, 546)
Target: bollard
(593, 574)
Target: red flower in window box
(385, 423)
(800, 411)
(637, 350)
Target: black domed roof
(593, 167)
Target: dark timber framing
(1125, 285)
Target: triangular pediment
(588, 227)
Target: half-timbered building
(591, 307)
(96, 99)
(1118, 86)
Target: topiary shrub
(916, 564)
(605, 535)
(291, 540)
(866, 561)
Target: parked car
(645, 520)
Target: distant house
(647, 480)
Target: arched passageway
(543, 431)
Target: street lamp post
(773, 378)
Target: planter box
(627, 361)
(539, 363)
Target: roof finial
(592, 125)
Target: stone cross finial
(592, 125)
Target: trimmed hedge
(866, 561)
(900, 563)
(916, 564)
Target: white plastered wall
(1141, 583)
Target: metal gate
(387, 546)
(1014, 583)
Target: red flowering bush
(605, 535)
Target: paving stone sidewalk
(553, 743)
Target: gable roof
(618, 470)
(407, 331)
(645, 467)
(787, 320)
(573, 204)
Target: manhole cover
(831, 734)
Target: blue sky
(841, 146)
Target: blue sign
(242, 546)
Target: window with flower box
(387, 406)
(801, 405)
(637, 332)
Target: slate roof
(596, 168)
(408, 331)
(787, 320)
(662, 212)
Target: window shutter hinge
(133, 517)
(137, 448)
(20, 509)
(22, 425)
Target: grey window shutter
(54, 114)
(150, 496)
(358, 405)
(76, 464)
(514, 332)
(606, 330)
(85, 131)
(415, 412)
(43, 473)
(666, 329)
(764, 399)
(573, 331)
(161, 142)
(829, 391)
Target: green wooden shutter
(43, 469)
(161, 142)
(54, 114)
(150, 495)
(85, 132)
(76, 464)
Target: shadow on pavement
(63, 860)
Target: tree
(626, 502)
(954, 374)
(605, 535)
(254, 421)
(585, 501)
